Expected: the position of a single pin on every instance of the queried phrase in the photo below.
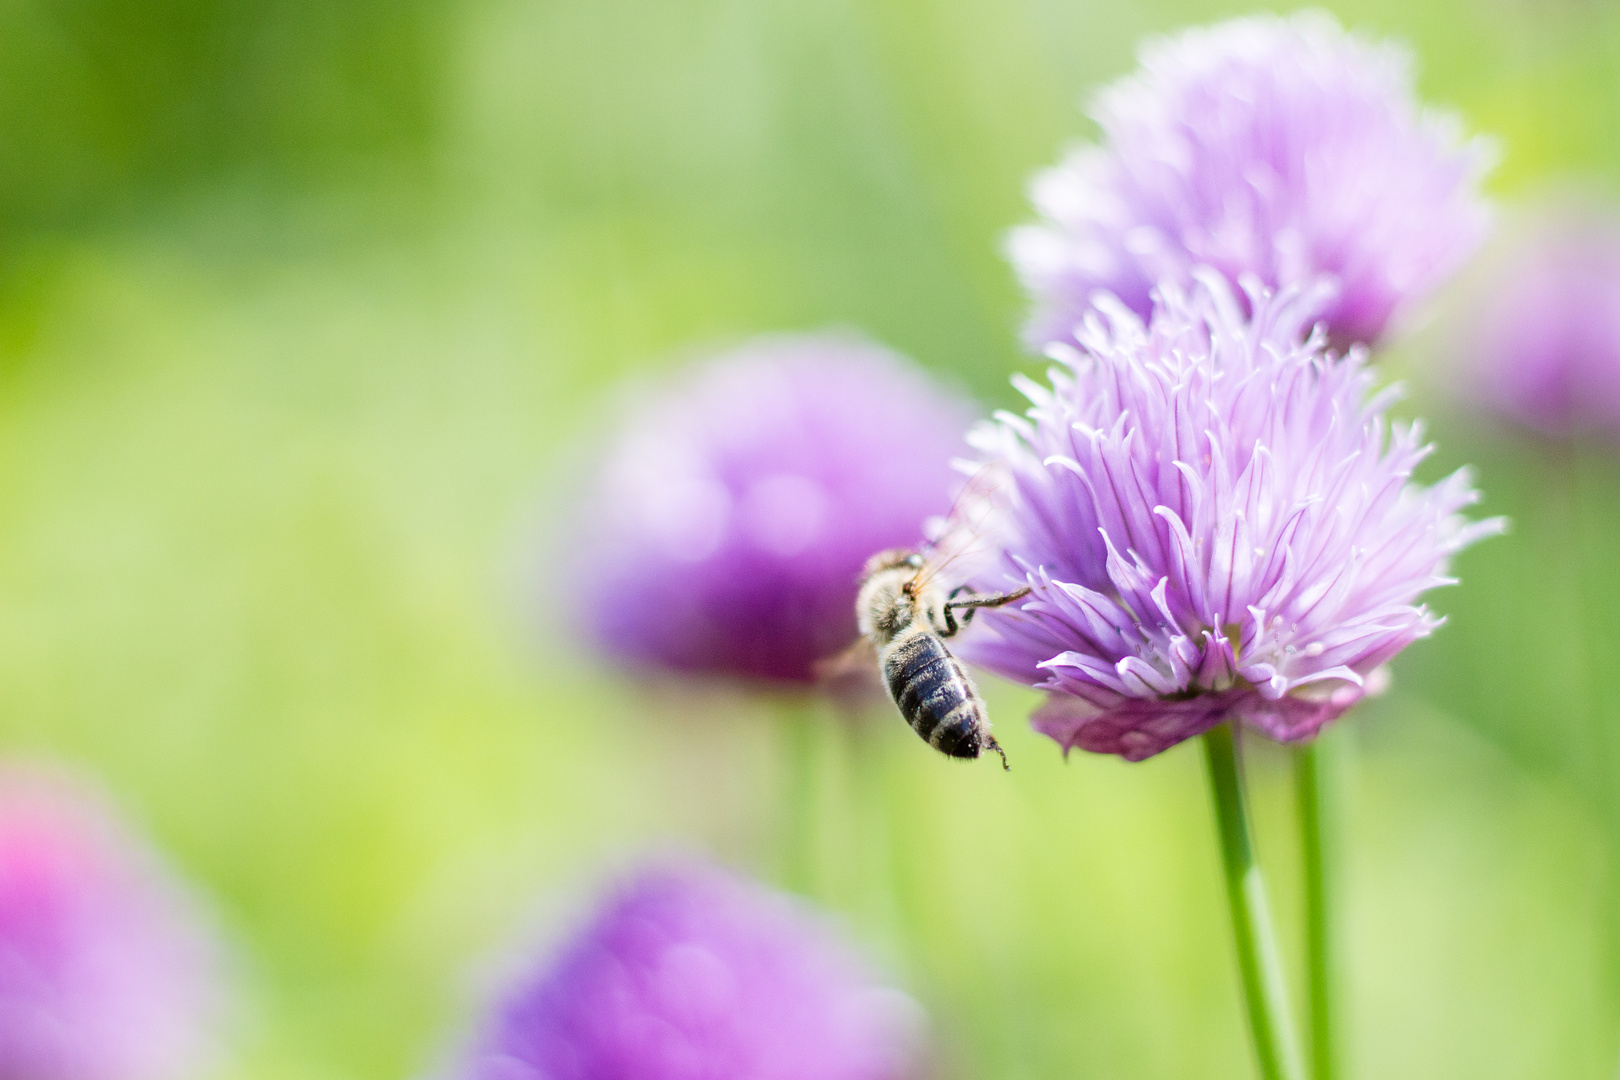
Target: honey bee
(905, 614)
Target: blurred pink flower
(690, 974)
(1217, 521)
(1542, 345)
(739, 501)
(1282, 147)
(106, 971)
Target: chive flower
(1217, 521)
(1542, 348)
(737, 504)
(1282, 147)
(690, 974)
(106, 970)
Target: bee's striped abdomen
(934, 694)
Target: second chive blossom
(109, 968)
(1218, 522)
(1541, 348)
(1282, 147)
(734, 511)
(688, 973)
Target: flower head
(1217, 523)
(739, 503)
(1543, 345)
(1280, 147)
(689, 974)
(106, 973)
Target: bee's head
(887, 598)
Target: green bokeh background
(308, 312)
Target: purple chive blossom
(1217, 522)
(105, 971)
(739, 502)
(1277, 146)
(689, 974)
(1543, 347)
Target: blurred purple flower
(1543, 345)
(738, 504)
(689, 974)
(106, 973)
(1278, 146)
(1216, 523)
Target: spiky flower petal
(1217, 522)
(1278, 146)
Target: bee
(906, 615)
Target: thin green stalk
(1573, 490)
(796, 817)
(1264, 992)
(872, 844)
(1316, 800)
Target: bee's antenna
(990, 741)
(983, 483)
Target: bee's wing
(850, 680)
(856, 662)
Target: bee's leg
(951, 625)
(991, 744)
(972, 603)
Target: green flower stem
(1264, 991)
(1315, 797)
(872, 844)
(796, 817)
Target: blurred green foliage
(110, 106)
(309, 312)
